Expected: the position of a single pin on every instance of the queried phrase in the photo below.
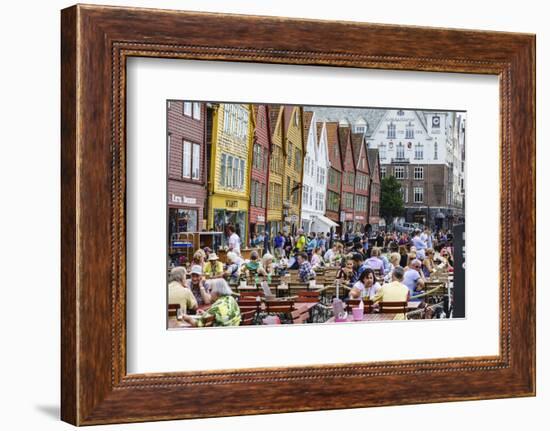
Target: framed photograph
(258, 208)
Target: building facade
(293, 166)
(230, 162)
(276, 171)
(259, 169)
(315, 177)
(334, 186)
(186, 142)
(422, 150)
(347, 203)
(374, 196)
(362, 182)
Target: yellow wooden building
(230, 166)
(294, 161)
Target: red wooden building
(348, 180)
(362, 182)
(260, 169)
(186, 166)
(334, 186)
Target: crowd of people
(387, 266)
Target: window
(294, 192)
(229, 172)
(409, 131)
(305, 194)
(348, 200)
(196, 161)
(400, 151)
(296, 119)
(289, 154)
(257, 157)
(418, 151)
(298, 160)
(187, 109)
(391, 131)
(382, 172)
(306, 164)
(196, 110)
(359, 129)
(418, 173)
(360, 203)
(241, 174)
(382, 149)
(320, 176)
(399, 172)
(288, 188)
(333, 201)
(223, 168)
(418, 194)
(435, 150)
(186, 160)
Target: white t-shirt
(234, 243)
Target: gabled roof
(319, 131)
(356, 143)
(332, 141)
(343, 135)
(372, 116)
(308, 116)
(273, 117)
(372, 155)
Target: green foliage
(391, 199)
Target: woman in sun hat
(213, 268)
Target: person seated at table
(317, 258)
(253, 267)
(374, 261)
(345, 273)
(428, 264)
(414, 279)
(178, 293)
(358, 263)
(199, 258)
(224, 309)
(268, 265)
(394, 260)
(367, 286)
(197, 287)
(233, 269)
(305, 272)
(395, 291)
(213, 268)
(334, 253)
(410, 257)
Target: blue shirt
(410, 279)
(418, 243)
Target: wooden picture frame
(95, 42)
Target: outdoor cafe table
(303, 307)
(369, 317)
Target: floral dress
(225, 310)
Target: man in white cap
(196, 285)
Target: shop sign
(359, 217)
(342, 216)
(183, 200)
(349, 216)
(231, 203)
(261, 219)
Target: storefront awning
(324, 222)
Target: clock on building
(435, 121)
